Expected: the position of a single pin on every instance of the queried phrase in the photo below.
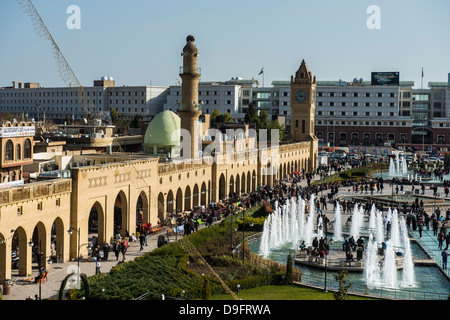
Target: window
(303, 126)
(296, 123)
(9, 151)
(27, 149)
(343, 104)
(18, 152)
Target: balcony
(190, 70)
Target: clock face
(300, 96)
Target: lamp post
(243, 233)
(70, 232)
(31, 244)
(231, 227)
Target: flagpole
(421, 80)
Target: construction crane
(65, 71)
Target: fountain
(372, 270)
(389, 267)
(288, 224)
(379, 229)
(338, 223)
(310, 222)
(395, 229)
(408, 279)
(357, 220)
(372, 217)
(399, 168)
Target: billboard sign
(385, 78)
(20, 131)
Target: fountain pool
(428, 279)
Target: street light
(243, 233)
(31, 244)
(70, 232)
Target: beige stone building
(106, 195)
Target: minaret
(189, 112)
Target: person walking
(98, 266)
(123, 249)
(141, 241)
(444, 255)
(447, 241)
(434, 223)
(117, 249)
(440, 240)
(105, 251)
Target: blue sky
(138, 42)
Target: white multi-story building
(231, 96)
(32, 101)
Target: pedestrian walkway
(58, 271)
(429, 244)
(21, 290)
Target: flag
(422, 72)
(261, 72)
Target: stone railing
(35, 190)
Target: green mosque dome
(160, 129)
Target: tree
(136, 123)
(214, 115)
(251, 116)
(114, 116)
(289, 277)
(344, 285)
(261, 121)
(206, 292)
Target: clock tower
(303, 105)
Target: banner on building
(11, 132)
(385, 78)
